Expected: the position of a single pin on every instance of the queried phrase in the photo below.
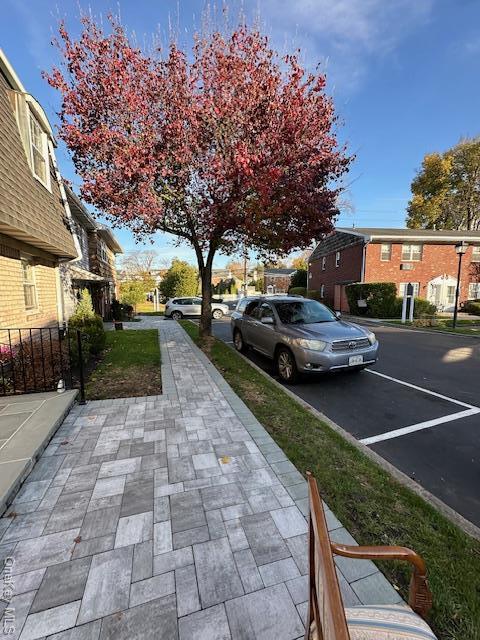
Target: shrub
(473, 307)
(90, 325)
(422, 308)
(380, 297)
(313, 294)
(299, 278)
(298, 291)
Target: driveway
(418, 407)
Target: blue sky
(404, 75)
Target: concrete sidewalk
(168, 516)
(27, 422)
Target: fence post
(80, 365)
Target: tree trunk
(206, 317)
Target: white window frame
(474, 290)
(407, 251)
(476, 254)
(324, 263)
(102, 251)
(322, 290)
(32, 284)
(387, 245)
(43, 151)
(337, 259)
(403, 285)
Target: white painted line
(422, 389)
(419, 426)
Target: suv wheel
(238, 342)
(286, 366)
(176, 315)
(217, 314)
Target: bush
(380, 297)
(299, 278)
(422, 308)
(313, 294)
(298, 291)
(121, 311)
(90, 325)
(473, 307)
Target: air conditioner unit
(406, 267)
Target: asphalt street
(418, 407)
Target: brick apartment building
(423, 257)
(277, 280)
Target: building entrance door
(441, 292)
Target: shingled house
(94, 268)
(34, 222)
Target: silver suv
(301, 335)
(176, 308)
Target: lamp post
(460, 249)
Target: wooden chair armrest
(420, 597)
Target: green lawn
(146, 309)
(370, 503)
(129, 366)
(464, 327)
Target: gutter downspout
(68, 213)
(364, 258)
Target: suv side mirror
(267, 320)
(338, 314)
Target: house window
(476, 254)
(322, 291)
(386, 252)
(474, 291)
(102, 251)
(403, 286)
(324, 263)
(29, 286)
(337, 259)
(39, 151)
(412, 252)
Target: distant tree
(301, 261)
(140, 265)
(299, 278)
(226, 145)
(180, 280)
(133, 292)
(446, 190)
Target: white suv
(177, 308)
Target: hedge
(380, 298)
(297, 291)
(313, 294)
(473, 307)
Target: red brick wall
(349, 269)
(436, 260)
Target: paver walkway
(164, 517)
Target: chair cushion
(386, 622)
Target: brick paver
(171, 516)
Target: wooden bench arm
(420, 597)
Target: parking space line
(423, 390)
(388, 435)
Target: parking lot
(418, 407)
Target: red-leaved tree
(228, 147)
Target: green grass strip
(129, 366)
(372, 505)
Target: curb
(386, 323)
(452, 515)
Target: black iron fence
(41, 359)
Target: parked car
(177, 308)
(301, 335)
